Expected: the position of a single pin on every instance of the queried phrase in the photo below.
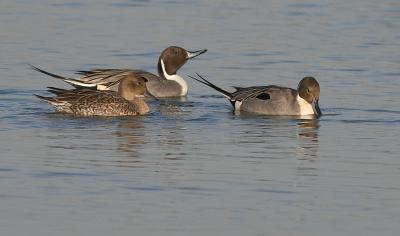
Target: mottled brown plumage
(89, 102)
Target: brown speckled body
(97, 103)
(90, 102)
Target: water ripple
(55, 174)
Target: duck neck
(141, 105)
(174, 77)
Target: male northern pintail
(274, 100)
(89, 102)
(167, 84)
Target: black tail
(47, 99)
(57, 91)
(209, 84)
(47, 73)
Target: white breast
(175, 78)
(238, 104)
(305, 107)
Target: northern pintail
(274, 100)
(89, 102)
(167, 84)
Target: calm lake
(193, 167)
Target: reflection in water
(169, 109)
(277, 137)
(131, 134)
(308, 129)
(171, 129)
(78, 172)
(308, 138)
(167, 132)
(173, 100)
(172, 140)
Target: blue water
(193, 167)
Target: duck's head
(309, 90)
(132, 87)
(173, 58)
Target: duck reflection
(307, 138)
(273, 136)
(131, 133)
(169, 109)
(308, 129)
(172, 129)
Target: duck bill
(194, 54)
(317, 110)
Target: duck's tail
(74, 82)
(202, 80)
(52, 100)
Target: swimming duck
(89, 102)
(167, 84)
(272, 99)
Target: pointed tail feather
(47, 73)
(41, 97)
(74, 82)
(79, 84)
(84, 72)
(57, 91)
(209, 84)
(47, 99)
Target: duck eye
(308, 90)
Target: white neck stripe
(175, 78)
(166, 75)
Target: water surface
(193, 167)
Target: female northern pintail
(274, 100)
(167, 84)
(89, 102)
